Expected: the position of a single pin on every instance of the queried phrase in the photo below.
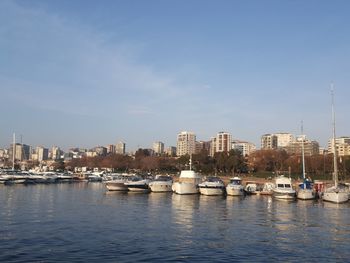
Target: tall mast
(335, 174)
(302, 148)
(13, 151)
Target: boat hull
(234, 191)
(183, 188)
(306, 194)
(284, 195)
(211, 190)
(335, 197)
(116, 186)
(160, 187)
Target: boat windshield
(235, 181)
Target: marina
(71, 222)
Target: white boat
(117, 184)
(137, 184)
(235, 187)
(284, 189)
(161, 184)
(252, 188)
(188, 182)
(212, 186)
(335, 194)
(267, 188)
(305, 190)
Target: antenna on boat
(335, 173)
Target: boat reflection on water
(183, 209)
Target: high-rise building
(186, 143)
(284, 139)
(100, 150)
(268, 142)
(310, 147)
(56, 153)
(342, 145)
(221, 143)
(111, 148)
(203, 145)
(22, 151)
(246, 148)
(120, 148)
(158, 148)
(42, 153)
(171, 151)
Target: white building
(158, 148)
(246, 148)
(55, 153)
(284, 139)
(120, 148)
(43, 153)
(342, 145)
(268, 142)
(222, 142)
(186, 143)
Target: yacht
(161, 184)
(117, 184)
(305, 190)
(335, 193)
(235, 187)
(212, 186)
(188, 182)
(138, 184)
(284, 189)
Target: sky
(87, 73)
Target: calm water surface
(82, 223)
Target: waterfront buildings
(111, 148)
(203, 145)
(342, 145)
(171, 151)
(284, 139)
(268, 142)
(56, 153)
(120, 148)
(246, 148)
(186, 143)
(42, 153)
(158, 148)
(222, 142)
(310, 147)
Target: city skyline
(87, 74)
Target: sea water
(82, 222)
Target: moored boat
(235, 187)
(138, 184)
(188, 182)
(212, 186)
(284, 189)
(335, 193)
(161, 184)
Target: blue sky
(87, 73)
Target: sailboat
(335, 193)
(305, 191)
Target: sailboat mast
(13, 151)
(302, 148)
(335, 174)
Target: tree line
(259, 163)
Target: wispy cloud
(52, 63)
